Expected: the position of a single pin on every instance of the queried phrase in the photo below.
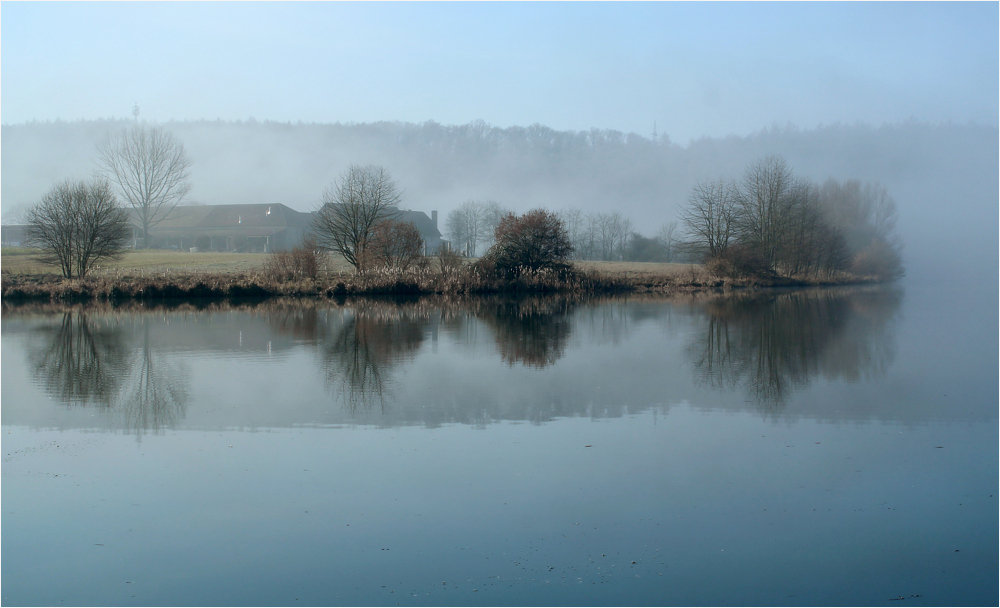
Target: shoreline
(179, 286)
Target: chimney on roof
(434, 218)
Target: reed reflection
(766, 345)
(99, 364)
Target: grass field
(641, 271)
(20, 260)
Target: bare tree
(883, 212)
(493, 213)
(465, 226)
(457, 231)
(710, 218)
(150, 168)
(76, 224)
(572, 218)
(764, 203)
(351, 207)
(668, 239)
(591, 237)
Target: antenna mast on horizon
(135, 111)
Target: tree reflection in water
(374, 338)
(764, 345)
(154, 395)
(531, 331)
(79, 362)
(94, 364)
(767, 344)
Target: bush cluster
(738, 262)
(302, 262)
(528, 243)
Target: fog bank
(944, 177)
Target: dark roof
(423, 223)
(251, 220)
(261, 216)
(255, 220)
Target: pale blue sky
(696, 69)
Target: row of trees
(770, 222)
(595, 236)
(360, 220)
(766, 222)
(79, 223)
(612, 237)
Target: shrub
(448, 260)
(395, 245)
(528, 243)
(739, 262)
(878, 260)
(302, 262)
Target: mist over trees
(473, 224)
(150, 169)
(771, 222)
(943, 177)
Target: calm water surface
(828, 447)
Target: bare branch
(351, 207)
(76, 224)
(150, 168)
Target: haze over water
(782, 449)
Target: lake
(818, 447)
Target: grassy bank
(159, 275)
(152, 286)
(22, 260)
